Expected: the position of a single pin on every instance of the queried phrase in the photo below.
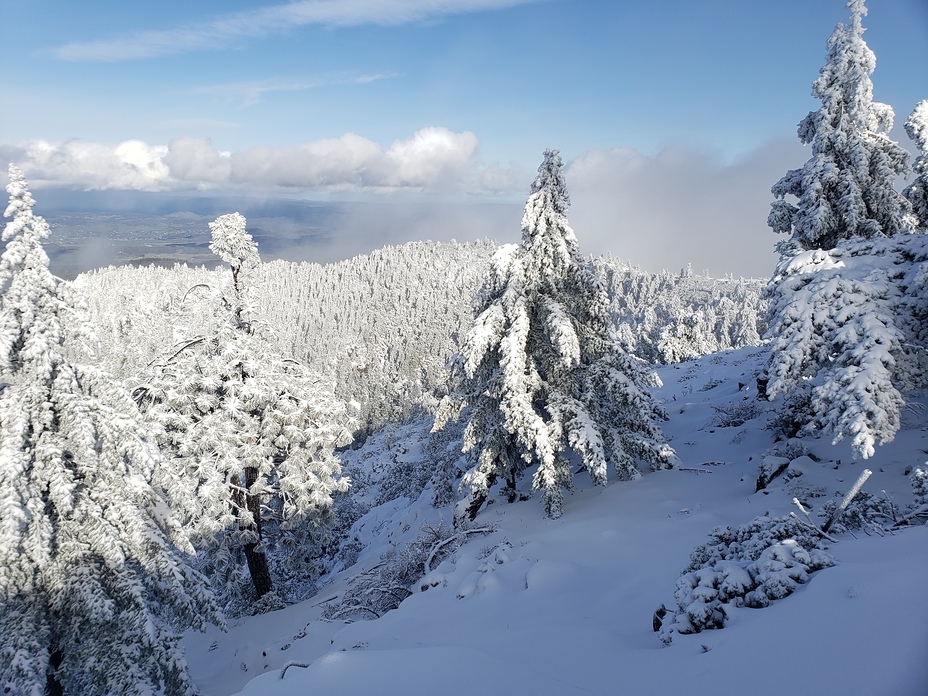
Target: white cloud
(231, 29)
(432, 159)
(132, 164)
(196, 160)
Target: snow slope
(565, 606)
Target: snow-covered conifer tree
(846, 189)
(917, 192)
(841, 297)
(92, 588)
(540, 370)
(253, 434)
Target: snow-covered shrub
(747, 566)
(870, 513)
(383, 588)
(919, 509)
(735, 413)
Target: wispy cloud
(250, 93)
(228, 30)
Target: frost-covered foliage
(670, 317)
(917, 192)
(541, 372)
(847, 336)
(846, 189)
(253, 436)
(384, 587)
(93, 589)
(919, 509)
(748, 566)
(383, 326)
(870, 513)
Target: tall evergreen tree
(92, 587)
(253, 434)
(846, 189)
(540, 370)
(917, 192)
(844, 327)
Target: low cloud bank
(682, 206)
(432, 159)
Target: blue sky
(446, 99)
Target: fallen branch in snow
(855, 489)
(290, 664)
(383, 587)
(439, 545)
(813, 527)
(808, 521)
(919, 512)
(695, 471)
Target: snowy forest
(441, 463)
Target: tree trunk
(476, 501)
(257, 560)
(53, 687)
(257, 566)
(511, 494)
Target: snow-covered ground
(565, 606)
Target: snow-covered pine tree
(254, 435)
(92, 588)
(846, 189)
(541, 372)
(917, 192)
(840, 299)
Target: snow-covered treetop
(549, 242)
(846, 189)
(917, 192)
(20, 207)
(232, 243)
(845, 81)
(549, 200)
(917, 128)
(27, 335)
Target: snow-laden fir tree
(841, 324)
(917, 192)
(540, 373)
(253, 435)
(93, 590)
(846, 188)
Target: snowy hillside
(540, 606)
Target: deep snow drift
(565, 606)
